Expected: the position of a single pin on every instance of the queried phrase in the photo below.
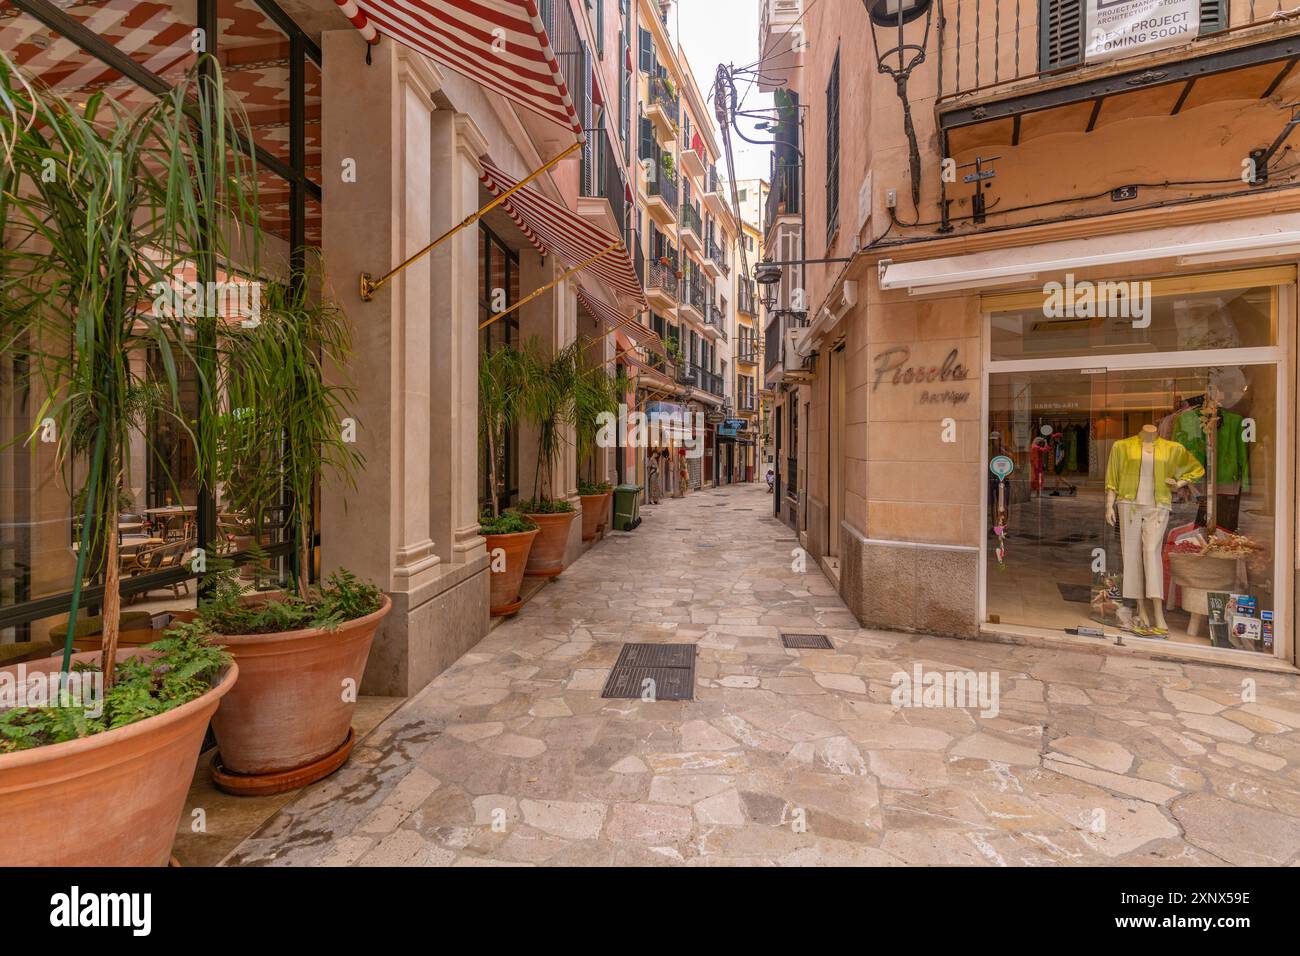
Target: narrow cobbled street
(794, 757)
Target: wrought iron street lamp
(890, 20)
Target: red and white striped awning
(614, 319)
(500, 44)
(554, 228)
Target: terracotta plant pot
(504, 587)
(595, 514)
(135, 628)
(292, 708)
(546, 560)
(111, 799)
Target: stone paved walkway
(794, 757)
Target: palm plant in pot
(596, 393)
(548, 385)
(302, 653)
(101, 208)
(509, 534)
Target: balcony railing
(664, 96)
(747, 349)
(663, 277)
(663, 187)
(712, 184)
(716, 316)
(747, 403)
(746, 301)
(978, 56)
(710, 381)
(690, 219)
(688, 374)
(602, 177)
(693, 294)
(713, 251)
(784, 199)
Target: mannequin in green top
(1140, 476)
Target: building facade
(1049, 246)
(368, 149)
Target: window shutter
(646, 60)
(646, 150)
(1214, 16)
(1062, 28)
(833, 150)
(600, 28)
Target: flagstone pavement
(794, 757)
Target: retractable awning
(1199, 244)
(554, 228)
(614, 319)
(499, 44)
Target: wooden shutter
(1061, 32)
(1214, 16)
(833, 150)
(646, 149)
(646, 55)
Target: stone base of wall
(428, 630)
(816, 532)
(931, 589)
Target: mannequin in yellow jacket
(1141, 475)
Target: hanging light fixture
(889, 22)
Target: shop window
(1089, 532)
(1106, 317)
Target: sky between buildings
(725, 31)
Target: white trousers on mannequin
(1141, 535)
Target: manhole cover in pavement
(818, 642)
(654, 672)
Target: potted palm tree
(102, 208)
(546, 400)
(301, 654)
(595, 393)
(509, 534)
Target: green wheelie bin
(627, 500)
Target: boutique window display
(1143, 498)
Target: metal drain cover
(653, 671)
(819, 642)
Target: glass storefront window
(1139, 558)
(1109, 317)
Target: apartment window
(833, 149)
(646, 51)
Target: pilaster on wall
(409, 523)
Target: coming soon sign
(1118, 28)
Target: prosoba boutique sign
(1118, 28)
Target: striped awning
(614, 319)
(553, 228)
(499, 44)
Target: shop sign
(1118, 28)
(892, 367)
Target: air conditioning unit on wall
(795, 368)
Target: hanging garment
(1059, 456)
(1039, 452)
(1232, 464)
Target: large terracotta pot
(595, 514)
(111, 799)
(504, 587)
(546, 559)
(291, 708)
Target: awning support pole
(550, 285)
(370, 285)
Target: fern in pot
(301, 653)
(103, 208)
(509, 534)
